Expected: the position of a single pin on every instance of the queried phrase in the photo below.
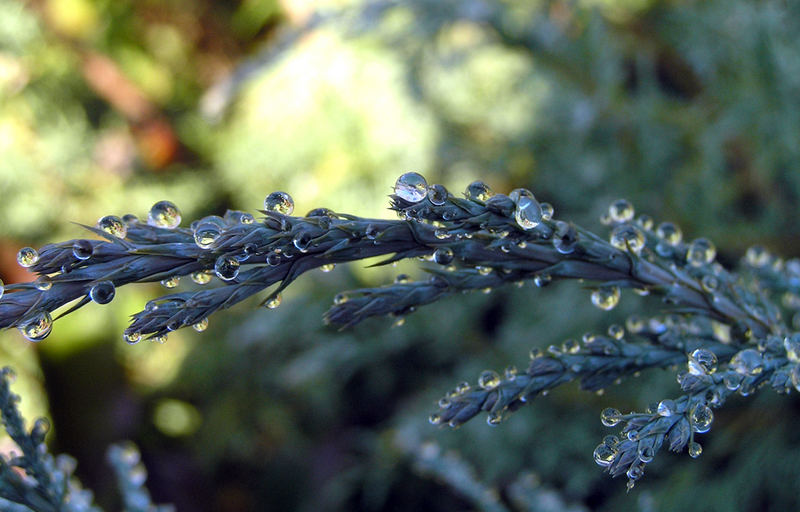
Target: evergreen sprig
(714, 318)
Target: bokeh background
(690, 109)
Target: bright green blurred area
(689, 109)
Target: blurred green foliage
(689, 109)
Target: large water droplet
(670, 233)
(2, 288)
(280, 202)
(82, 249)
(411, 187)
(604, 455)
(206, 233)
(201, 325)
(488, 380)
(27, 257)
(628, 237)
(132, 338)
(226, 268)
(43, 283)
(102, 292)
(701, 252)
(113, 226)
(610, 416)
(701, 418)
(164, 214)
(37, 326)
(621, 210)
(478, 191)
(606, 298)
(666, 407)
(747, 362)
(702, 362)
(528, 211)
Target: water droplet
(610, 416)
(606, 298)
(701, 252)
(445, 402)
(302, 241)
(542, 280)
(547, 211)
(635, 472)
(130, 219)
(82, 249)
(484, 271)
(701, 418)
(565, 238)
(666, 407)
(164, 214)
(27, 257)
(695, 449)
(792, 346)
(670, 233)
(201, 277)
(443, 255)
(327, 267)
(510, 372)
(795, 376)
(37, 326)
(645, 222)
(747, 362)
(170, 282)
(340, 299)
(226, 268)
(40, 428)
(702, 362)
(273, 302)
(113, 226)
(43, 283)
(646, 454)
(441, 234)
(570, 346)
(494, 418)
(279, 202)
(709, 283)
(206, 233)
(616, 331)
(478, 191)
(437, 194)
(528, 211)
(2, 288)
(634, 324)
(628, 237)
(488, 380)
(160, 339)
(200, 325)
(434, 419)
(620, 210)
(534, 353)
(273, 259)
(102, 292)
(411, 187)
(132, 338)
(757, 256)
